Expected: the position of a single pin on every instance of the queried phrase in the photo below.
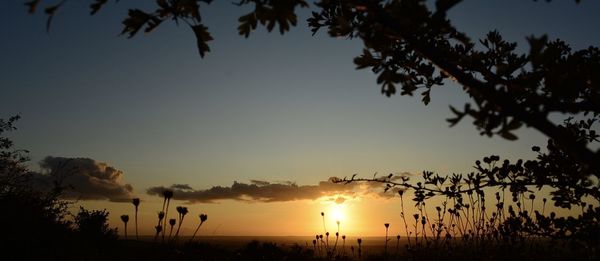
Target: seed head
(125, 218)
(203, 218)
(168, 194)
(136, 202)
(172, 222)
(182, 210)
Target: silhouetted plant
(387, 226)
(167, 194)
(172, 223)
(203, 218)
(136, 204)
(343, 245)
(323, 217)
(158, 229)
(93, 226)
(397, 243)
(125, 219)
(182, 211)
(359, 241)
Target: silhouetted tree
(33, 222)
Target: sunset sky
(261, 113)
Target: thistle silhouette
(182, 211)
(359, 241)
(125, 219)
(343, 245)
(136, 203)
(203, 218)
(337, 236)
(172, 222)
(167, 194)
(323, 217)
(387, 226)
(158, 229)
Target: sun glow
(338, 212)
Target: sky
(291, 109)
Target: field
(300, 248)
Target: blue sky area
(270, 107)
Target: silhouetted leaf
(135, 20)
(507, 135)
(202, 37)
(95, 6)
(426, 96)
(247, 24)
(32, 6)
(51, 11)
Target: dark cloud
(259, 182)
(182, 187)
(257, 190)
(264, 191)
(83, 178)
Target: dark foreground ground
(302, 248)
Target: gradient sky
(271, 107)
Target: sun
(338, 212)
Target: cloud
(340, 200)
(84, 178)
(264, 191)
(182, 186)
